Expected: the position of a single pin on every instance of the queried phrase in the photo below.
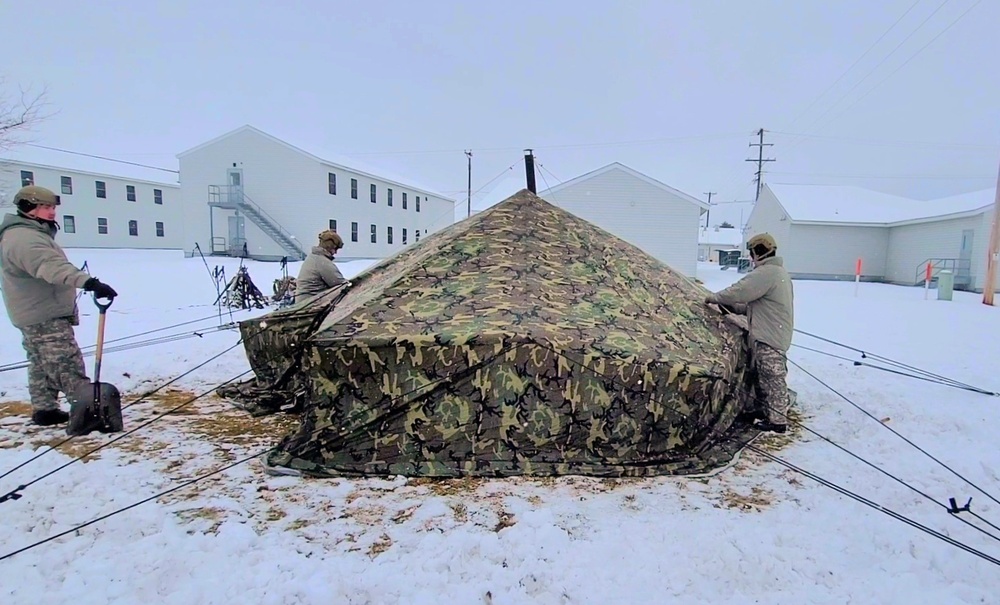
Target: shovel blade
(95, 407)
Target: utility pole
(991, 258)
(708, 214)
(469, 199)
(529, 169)
(760, 160)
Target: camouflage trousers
(55, 363)
(772, 389)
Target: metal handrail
(941, 264)
(244, 199)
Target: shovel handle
(103, 307)
(99, 353)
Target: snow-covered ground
(755, 533)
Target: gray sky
(681, 86)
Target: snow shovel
(96, 406)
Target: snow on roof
(632, 172)
(720, 237)
(333, 159)
(48, 158)
(849, 204)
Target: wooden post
(857, 276)
(927, 279)
(994, 250)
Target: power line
(90, 155)
(879, 64)
(888, 143)
(858, 60)
(904, 64)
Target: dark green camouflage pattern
(521, 341)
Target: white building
(710, 241)
(102, 205)
(249, 189)
(652, 216)
(822, 231)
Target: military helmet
(36, 196)
(333, 238)
(762, 244)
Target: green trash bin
(946, 283)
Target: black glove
(100, 290)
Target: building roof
(846, 204)
(619, 166)
(330, 159)
(720, 237)
(85, 164)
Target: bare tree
(20, 112)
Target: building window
(69, 223)
(416, 235)
(389, 197)
(133, 228)
(373, 192)
(102, 226)
(388, 234)
(354, 189)
(404, 204)
(374, 237)
(417, 201)
(333, 224)
(158, 196)
(404, 233)
(67, 185)
(331, 184)
(27, 178)
(354, 232)
(101, 189)
(159, 229)
(130, 192)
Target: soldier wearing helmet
(765, 295)
(39, 291)
(318, 272)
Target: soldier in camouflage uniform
(39, 291)
(318, 272)
(765, 295)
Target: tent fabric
(520, 341)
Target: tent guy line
(747, 443)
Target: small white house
(650, 215)
(823, 230)
(247, 192)
(710, 241)
(103, 204)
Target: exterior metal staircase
(233, 198)
(961, 268)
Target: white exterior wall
(832, 251)
(292, 187)
(768, 216)
(911, 245)
(662, 224)
(85, 207)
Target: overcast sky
(673, 89)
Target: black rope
(140, 399)
(893, 431)
(865, 354)
(754, 397)
(874, 505)
(947, 383)
(134, 505)
(14, 494)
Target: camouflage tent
(521, 341)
